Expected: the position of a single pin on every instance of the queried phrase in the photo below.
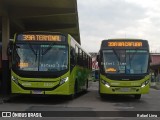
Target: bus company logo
(6, 114)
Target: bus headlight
(14, 79)
(63, 80)
(145, 83)
(105, 83)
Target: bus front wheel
(138, 96)
(72, 96)
(102, 95)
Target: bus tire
(102, 95)
(138, 96)
(72, 96)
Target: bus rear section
(124, 67)
(41, 64)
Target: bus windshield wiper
(35, 53)
(116, 54)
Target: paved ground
(89, 102)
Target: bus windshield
(125, 61)
(38, 57)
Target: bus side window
(72, 56)
(80, 57)
(76, 59)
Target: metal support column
(5, 86)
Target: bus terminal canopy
(41, 15)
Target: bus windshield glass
(125, 61)
(38, 57)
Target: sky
(105, 19)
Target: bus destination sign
(36, 37)
(124, 44)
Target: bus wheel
(72, 96)
(102, 95)
(138, 96)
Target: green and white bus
(124, 67)
(48, 63)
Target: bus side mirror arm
(9, 48)
(98, 60)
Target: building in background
(155, 67)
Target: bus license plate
(37, 92)
(125, 89)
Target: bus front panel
(108, 86)
(54, 86)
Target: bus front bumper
(63, 89)
(124, 90)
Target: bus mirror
(9, 48)
(99, 64)
(97, 58)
